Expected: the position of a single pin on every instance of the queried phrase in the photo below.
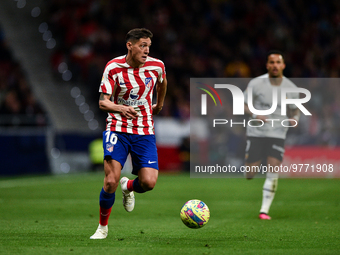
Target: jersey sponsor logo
(130, 102)
(133, 94)
(152, 162)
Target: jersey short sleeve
(158, 66)
(107, 83)
(161, 75)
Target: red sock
(104, 216)
(130, 185)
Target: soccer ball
(195, 213)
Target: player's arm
(254, 116)
(106, 105)
(161, 91)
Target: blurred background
(53, 53)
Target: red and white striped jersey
(132, 87)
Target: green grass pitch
(58, 214)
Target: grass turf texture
(58, 214)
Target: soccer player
(126, 95)
(265, 142)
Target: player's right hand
(129, 112)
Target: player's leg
(145, 166)
(274, 159)
(112, 170)
(146, 181)
(115, 154)
(253, 157)
(252, 169)
(128, 195)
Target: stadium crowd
(208, 39)
(220, 38)
(18, 105)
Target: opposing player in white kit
(126, 95)
(265, 142)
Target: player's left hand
(156, 109)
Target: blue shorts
(142, 149)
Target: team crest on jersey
(109, 147)
(148, 82)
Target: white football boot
(101, 232)
(128, 196)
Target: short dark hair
(278, 52)
(137, 33)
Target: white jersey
(262, 100)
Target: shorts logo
(278, 148)
(148, 82)
(109, 147)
